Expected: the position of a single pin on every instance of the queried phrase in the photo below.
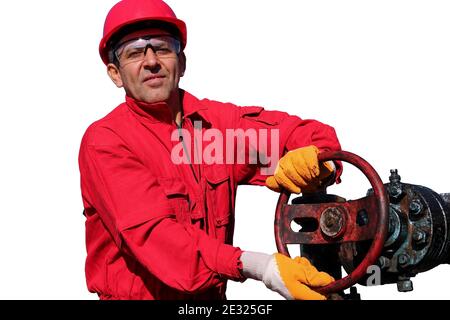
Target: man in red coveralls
(160, 228)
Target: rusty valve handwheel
(336, 222)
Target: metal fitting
(403, 259)
(415, 208)
(384, 262)
(404, 285)
(395, 177)
(332, 222)
(395, 187)
(419, 236)
(395, 191)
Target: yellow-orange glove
(299, 170)
(292, 278)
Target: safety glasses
(135, 50)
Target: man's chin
(157, 98)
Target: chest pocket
(218, 200)
(177, 196)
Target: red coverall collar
(159, 112)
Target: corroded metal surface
(418, 236)
(350, 213)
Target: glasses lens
(134, 50)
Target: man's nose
(150, 57)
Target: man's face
(152, 79)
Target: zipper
(181, 139)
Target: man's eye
(163, 50)
(134, 53)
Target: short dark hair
(114, 41)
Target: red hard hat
(127, 12)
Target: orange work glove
(291, 278)
(299, 170)
(299, 281)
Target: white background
(378, 71)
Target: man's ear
(182, 63)
(114, 74)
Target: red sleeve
(134, 209)
(292, 133)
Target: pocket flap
(173, 187)
(251, 111)
(216, 174)
(257, 114)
